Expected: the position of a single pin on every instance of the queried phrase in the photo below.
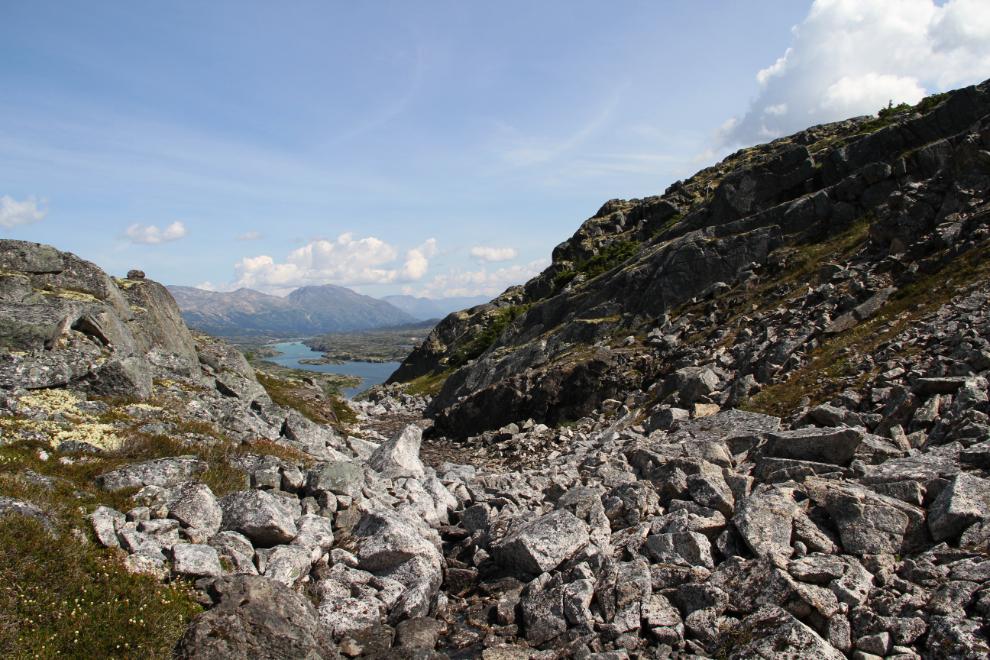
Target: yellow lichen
(53, 401)
(71, 295)
(103, 436)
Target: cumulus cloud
(250, 236)
(486, 255)
(456, 282)
(152, 235)
(852, 57)
(17, 214)
(345, 261)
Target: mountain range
(307, 310)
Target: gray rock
(195, 560)
(834, 446)
(124, 377)
(399, 455)
(257, 515)
(195, 506)
(765, 521)
(392, 546)
(957, 639)
(872, 524)
(28, 509)
(161, 472)
(288, 564)
(339, 478)
(314, 532)
(418, 633)
(247, 390)
(236, 549)
(770, 630)
(684, 548)
(543, 615)
(105, 521)
(341, 616)
(256, 618)
(963, 502)
(541, 545)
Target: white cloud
(16, 214)
(250, 236)
(852, 57)
(486, 255)
(151, 235)
(344, 262)
(456, 282)
(418, 261)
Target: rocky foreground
(792, 461)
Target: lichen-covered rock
(541, 545)
(196, 506)
(258, 516)
(161, 472)
(256, 618)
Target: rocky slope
(307, 310)
(731, 226)
(764, 430)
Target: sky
(428, 148)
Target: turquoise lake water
(370, 373)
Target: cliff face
(724, 228)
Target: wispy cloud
(150, 234)
(485, 255)
(16, 214)
(250, 236)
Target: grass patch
(70, 599)
(429, 384)
(282, 392)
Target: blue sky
(432, 148)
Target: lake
(371, 373)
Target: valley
(747, 418)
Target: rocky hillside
(747, 419)
(307, 310)
(885, 188)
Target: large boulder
(541, 545)
(161, 472)
(964, 502)
(258, 516)
(253, 617)
(399, 456)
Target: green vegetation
(614, 255)
(480, 343)
(286, 393)
(428, 385)
(69, 599)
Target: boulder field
(764, 433)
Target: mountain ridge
(307, 310)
